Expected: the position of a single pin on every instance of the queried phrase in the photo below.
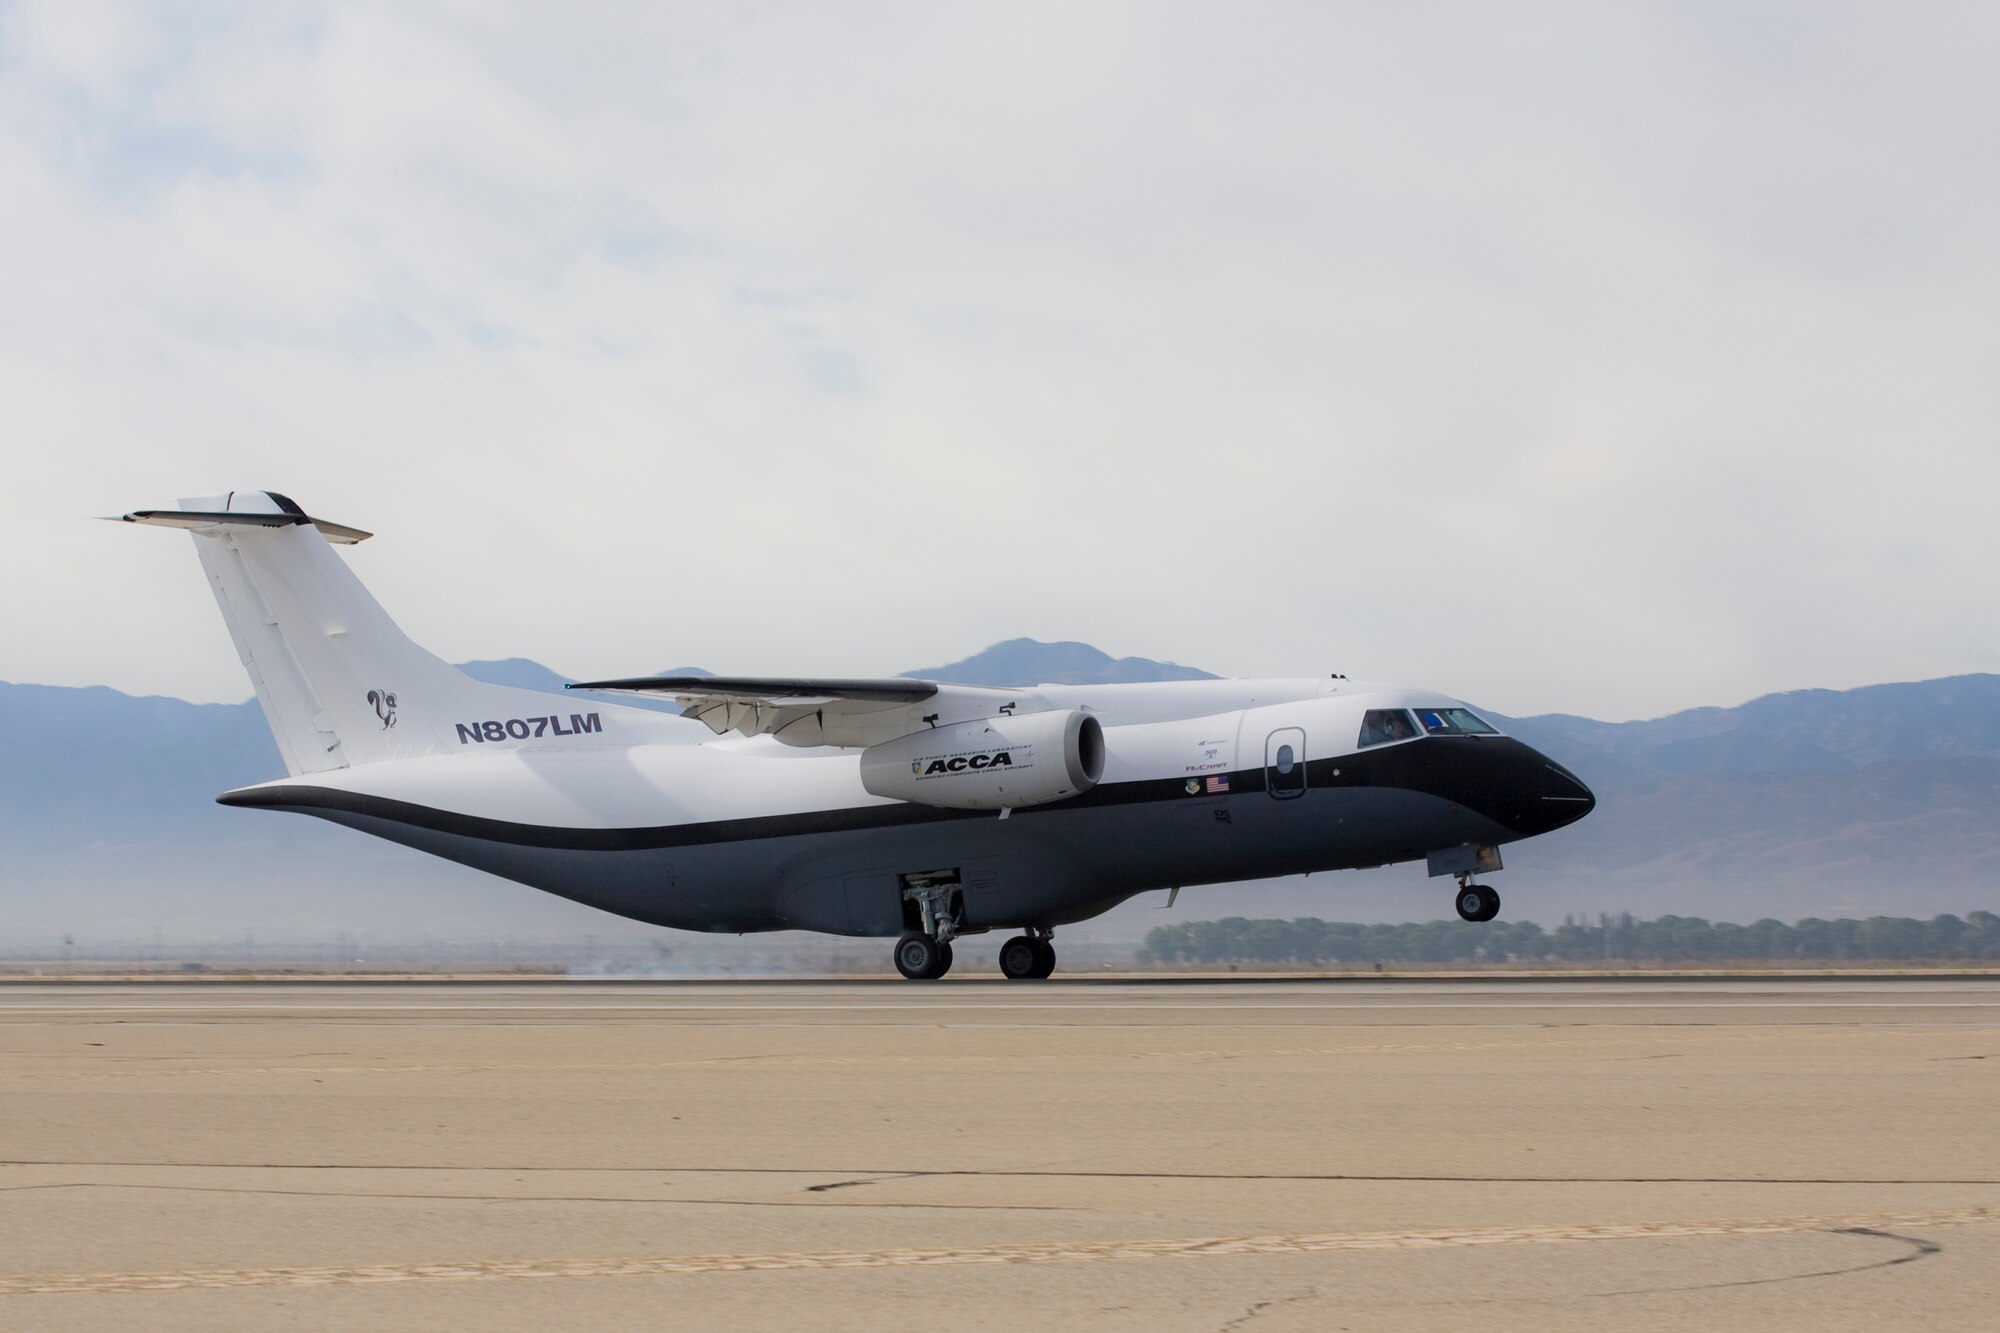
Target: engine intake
(995, 763)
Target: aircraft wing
(825, 711)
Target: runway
(1300, 1154)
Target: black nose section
(1560, 796)
(1510, 783)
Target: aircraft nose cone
(1561, 797)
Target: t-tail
(340, 684)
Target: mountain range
(1881, 800)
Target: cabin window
(1454, 722)
(1379, 726)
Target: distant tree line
(1619, 938)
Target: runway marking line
(1055, 1253)
(806, 1059)
(985, 1007)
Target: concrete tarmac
(1092, 1154)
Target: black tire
(1045, 963)
(1476, 902)
(1490, 903)
(921, 958)
(1019, 959)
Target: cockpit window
(1379, 726)
(1454, 722)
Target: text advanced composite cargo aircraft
(901, 808)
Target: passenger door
(1285, 763)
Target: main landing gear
(923, 957)
(1029, 957)
(1476, 902)
(924, 954)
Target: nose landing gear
(1476, 902)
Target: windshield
(1379, 726)
(1454, 722)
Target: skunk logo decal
(384, 704)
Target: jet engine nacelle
(993, 764)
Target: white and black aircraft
(911, 809)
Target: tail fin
(340, 684)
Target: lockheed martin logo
(384, 704)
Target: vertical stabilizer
(339, 683)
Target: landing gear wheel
(1476, 902)
(1045, 960)
(1021, 959)
(922, 958)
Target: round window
(1285, 760)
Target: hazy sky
(1596, 358)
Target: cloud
(1605, 361)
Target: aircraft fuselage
(1203, 782)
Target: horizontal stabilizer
(195, 520)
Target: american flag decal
(1220, 782)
